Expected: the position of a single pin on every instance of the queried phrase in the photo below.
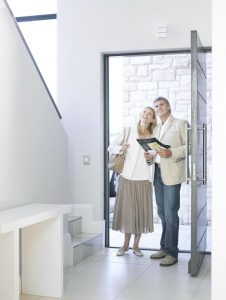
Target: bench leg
(42, 258)
(9, 265)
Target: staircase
(83, 244)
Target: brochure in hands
(152, 144)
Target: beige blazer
(173, 168)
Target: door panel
(202, 223)
(202, 110)
(201, 82)
(198, 155)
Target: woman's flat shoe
(121, 251)
(138, 253)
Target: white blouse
(135, 166)
(140, 171)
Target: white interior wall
(86, 30)
(33, 143)
(219, 146)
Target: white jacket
(173, 168)
(131, 154)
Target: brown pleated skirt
(133, 210)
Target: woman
(133, 211)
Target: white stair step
(83, 238)
(85, 245)
(74, 225)
(73, 218)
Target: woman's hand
(124, 147)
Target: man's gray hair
(164, 99)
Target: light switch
(86, 159)
(161, 30)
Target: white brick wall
(167, 74)
(148, 86)
(146, 77)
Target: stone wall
(149, 76)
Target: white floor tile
(48, 298)
(201, 296)
(168, 284)
(153, 295)
(92, 285)
(128, 258)
(88, 296)
(118, 269)
(104, 276)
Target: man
(169, 173)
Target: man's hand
(164, 153)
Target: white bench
(35, 255)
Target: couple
(133, 212)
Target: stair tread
(83, 237)
(73, 218)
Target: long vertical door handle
(203, 177)
(188, 130)
(204, 154)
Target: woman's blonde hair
(151, 125)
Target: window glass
(41, 38)
(32, 7)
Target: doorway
(132, 81)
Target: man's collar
(167, 120)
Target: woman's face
(147, 116)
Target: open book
(152, 144)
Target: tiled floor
(151, 240)
(104, 276)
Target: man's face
(162, 108)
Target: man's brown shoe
(168, 260)
(158, 254)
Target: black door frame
(105, 60)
